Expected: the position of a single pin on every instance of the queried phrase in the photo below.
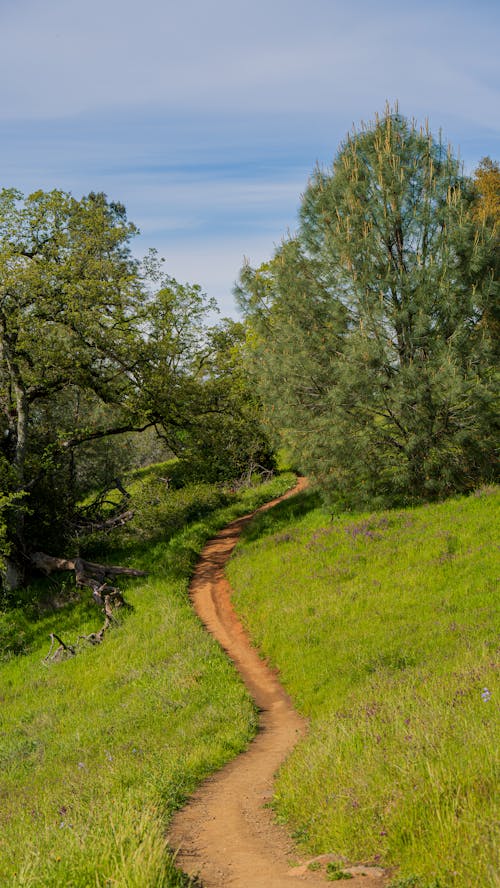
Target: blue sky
(205, 117)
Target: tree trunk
(22, 431)
(12, 575)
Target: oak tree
(93, 346)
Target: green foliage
(487, 181)
(385, 632)
(487, 213)
(15, 634)
(160, 511)
(227, 441)
(335, 873)
(415, 882)
(94, 348)
(68, 333)
(371, 341)
(8, 503)
(211, 421)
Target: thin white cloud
(215, 263)
(63, 57)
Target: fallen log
(89, 526)
(93, 576)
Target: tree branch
(104, 433)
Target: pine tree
(382, 297)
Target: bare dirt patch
(226, 835)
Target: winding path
(226, 835)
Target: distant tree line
(373, 331)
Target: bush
(160, 511)
(15, 634)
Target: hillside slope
(384, 627)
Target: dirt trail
(226, 835)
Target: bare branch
(104, 433)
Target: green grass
(97, 751)
(385, 629)
(134, 481)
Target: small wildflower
(81, 764)
(485, 695)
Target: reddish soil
(226, 835)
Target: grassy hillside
(96, 751)
(385, 627)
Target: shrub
(15, 634)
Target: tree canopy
(487, 181)
(94, 345)
(371, 336)
(372, 341)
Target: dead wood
(96, 517)
(61, 652)
(90, 526)
(93, 576)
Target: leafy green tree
(194, 382)
(93, 346)
(174, 350)
(226, 439)
(68, 297)
(370, 342)
(96, 347)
